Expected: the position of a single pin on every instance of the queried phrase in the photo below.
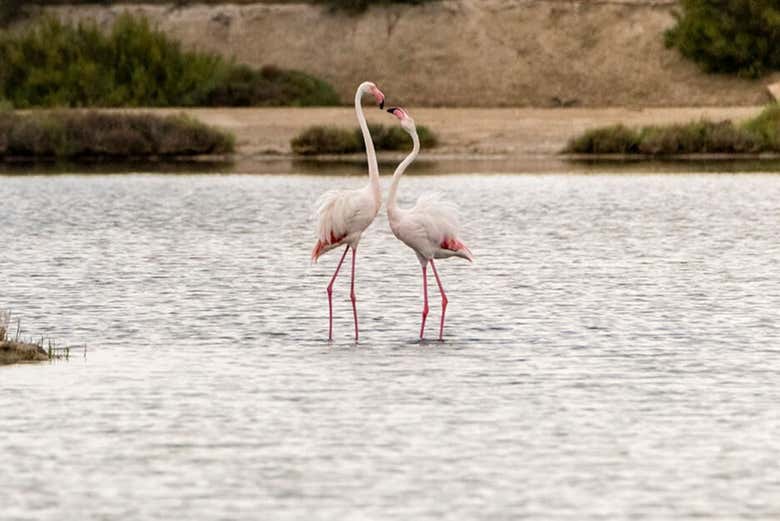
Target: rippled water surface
(614, 352)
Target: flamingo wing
(342, 217)
(431, 229)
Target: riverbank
(504, 133)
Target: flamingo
(343, 215)
(430, 228)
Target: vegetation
(54, 64)
(15, 350)
(738, 36)
(10, 9)
(362, 5)
(90, 135)
(5, 323)
(336, 140)
(760, 134)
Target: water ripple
(611, 354)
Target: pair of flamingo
(430, 228)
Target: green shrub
(766, 127)
(395, 138)
(738, 36)
(270, 86)
(337, 140)
(90, 135)
(700, 137)
(54, 64)
(326, 140)
(760, 134)
(617, 139)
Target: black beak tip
(381, 104)
(391, 109)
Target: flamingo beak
(379, 96)
(392, 110)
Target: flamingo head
(407, 123)
(378, 96)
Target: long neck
(399, 171)
(373, 167)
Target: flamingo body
(343, 215)
(430, 227)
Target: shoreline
(263, 135)
(462, 133)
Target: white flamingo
(430, 228)
(343, 215)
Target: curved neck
(399, 171)
(373, 167)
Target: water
(612, 353)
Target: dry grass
(5, 323)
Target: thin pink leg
(330, 295)
(352, 295)
(443, 301)
(425, 300)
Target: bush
(766, 127)
(92, 135)
(271, 86)
(337, 140)
(54, 64)
(760, 134)
(616, 139)
(701, 137)
(738, 36)
(326, 140)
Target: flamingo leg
(443, 301)
(425, 299)
(330, 295)
(352, 295)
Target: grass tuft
(359, 6)
(337, 140)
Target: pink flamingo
(343, 215)
(430, 228)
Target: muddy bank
(463, 53)
(15, 352)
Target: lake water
(613, 353)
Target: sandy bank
(462, 132)
(466, 53)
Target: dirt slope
(482, 53)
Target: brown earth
(464, 53)
(522, 132)
(14, 352)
